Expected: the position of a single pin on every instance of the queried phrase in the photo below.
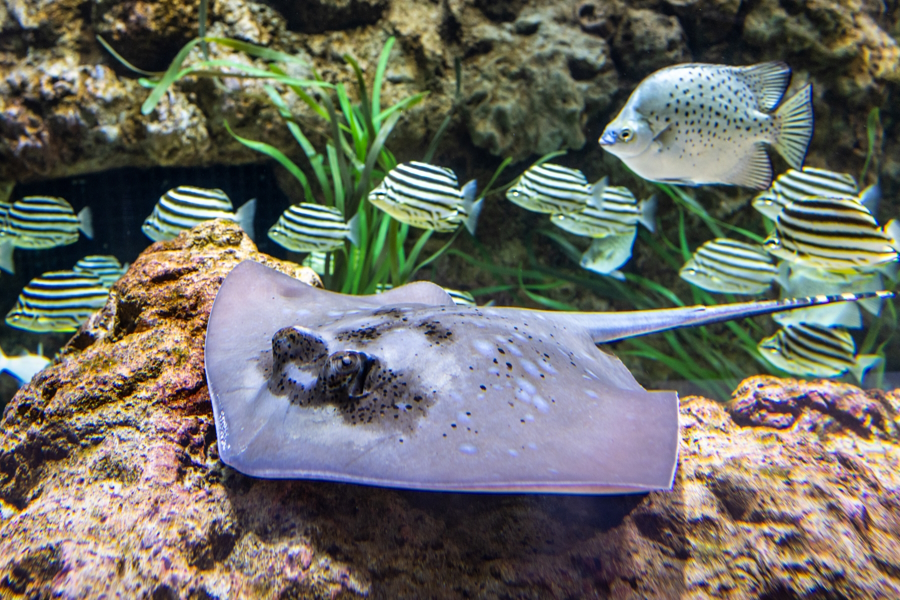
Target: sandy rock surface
(110, 483)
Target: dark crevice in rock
(316, 16)
(37, 568)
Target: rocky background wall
(538, 75)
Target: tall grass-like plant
(346, 170)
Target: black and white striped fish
(185, 206)
(814, 351)
(555, 190)
(311, 227)
(318, 262)
(620, 213)
(39, 222)
(460, 297)
(835, 234)
(427, 197)
(58, 301)
(107, 268)
(730, 267)
(806, 183)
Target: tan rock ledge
(110, 485)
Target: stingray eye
(344, 363)
(626, 135)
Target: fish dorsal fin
(768, 81)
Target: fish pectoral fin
(753, 171)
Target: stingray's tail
(611, 327)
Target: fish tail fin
(86, 222)
(794, 123)
(870, 197)
(245, 215)
(469, 191)
(648, 213)
(597, 189)
(784, 274)
(6, 256)
(892, 230)
(354, 234)
(864, 362)
(472, 208)
(474, 213)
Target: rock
(646, 41)
(316, 16)
(538, 76)
(534, 85)
(110, 484)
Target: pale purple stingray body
(406, 389)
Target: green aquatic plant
(354, 157)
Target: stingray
(406, 389)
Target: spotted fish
(699, 124)
(408, 389)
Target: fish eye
(626, 135)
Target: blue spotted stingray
(406, 389)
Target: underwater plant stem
(393, 250)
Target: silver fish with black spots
(308, 227)
(834, 234)
(427, 197)
(57, 301)
(185, 206)
(620, 214)
(556, 190)
(814, 351)
(730, 267)
(699, 124)
(106, 267)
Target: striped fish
(553, 189)
(730, 267)
(461, 298)
(835, 234)
(808, 183)
(310, 227)
(107, 268)
(4, 218)
(39, 222)
(620, 213)
(801, 281)
(184, 207)
(427, 197)
(814, 351)
(58, 301)
(317, 262)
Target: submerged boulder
(110, 483)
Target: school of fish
(690, 124)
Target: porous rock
(110, 484)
